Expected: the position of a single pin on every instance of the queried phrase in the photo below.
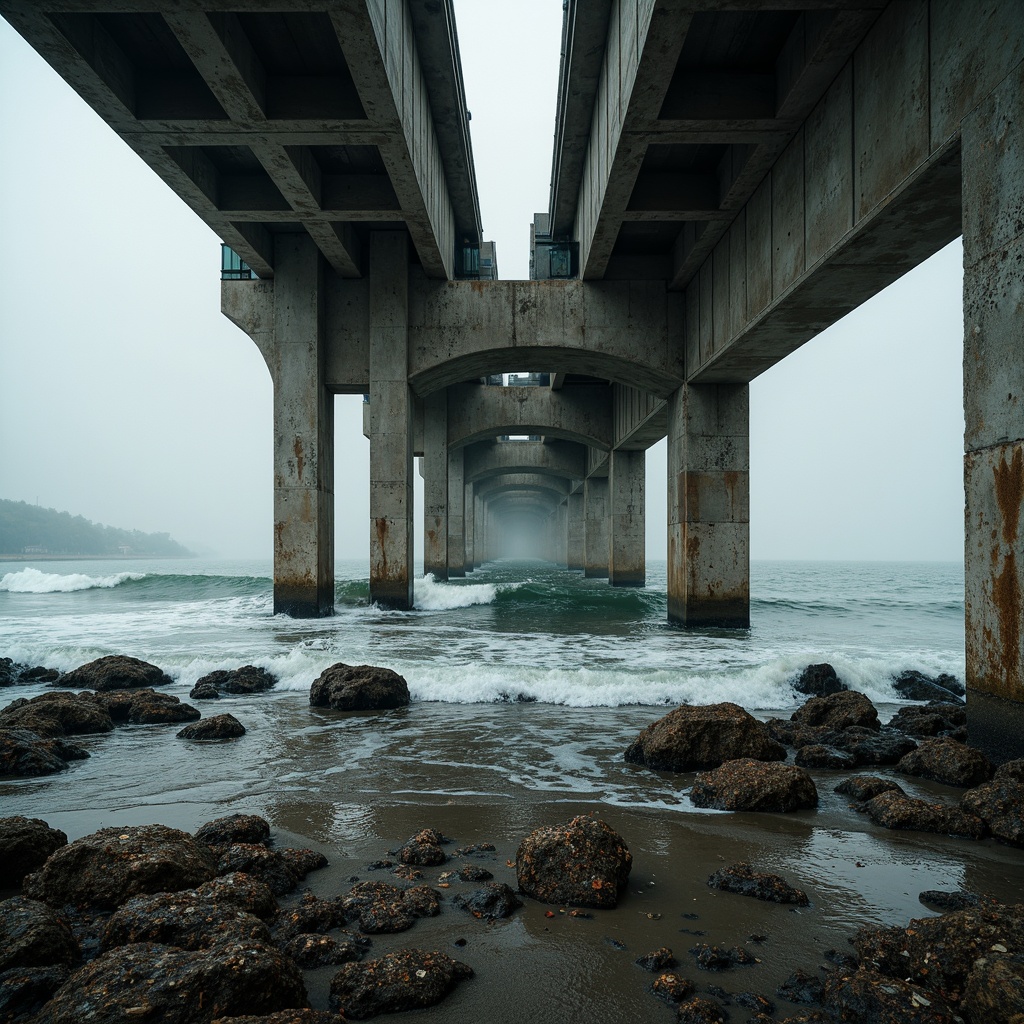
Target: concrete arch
(486, 459)
(629, 332)
(582, 413)
(522, 483)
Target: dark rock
(929, 720)
(673, 988)
(995, 990)
(583, 863)
(949, 761)
(819, 680)
(115, 672)
(745, 881)
(864, 787)
(175, 986)
(658, 960)
(313, 915)
(310, 950)
(940, 952)
(717, 958)
(25, 844)
(1000, 804)
(747, 785)
(25, 990)
(33, 935)
(952, 900)
(759, 1004)
(699, 1010)
(235, 828)
(381, 908)
(1010, 770)
(818, 755)
(844, 961)
(217, 727)
(867, 996)
(789, 733)
(912, 685)
(303, 861)
(14, 673)
(26, 754)
(838, 711)
(896, 811)
(60, 713)
(9, 671)
(244, 891)
(495, 900)
(801, 987)
(204, 691)
(692, 738)
(871, 747)
(183, 919)
(424, 849)
(358, 688)
(108, 867)
(305, 1016)
(147, 707)
(475, 873)
(269, 866)
(475, 850)
(245, 680)
(405, 980)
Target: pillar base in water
(301, 602)
(995, 726)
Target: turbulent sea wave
(509, 632)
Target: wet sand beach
(355, 786)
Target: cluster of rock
(242, 681)
(740, 761)
(16, 673)
(112, 691)
(358, 688)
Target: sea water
(510, 631)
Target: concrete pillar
(993, 223)
(627, 565)
(574, 533)
(595, 528)
(456, 514)
(562, 536)
(709, 505)
(391, 461)
(435, 485)
(303, 436)
(469, 524)
(480, 532)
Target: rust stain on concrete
(300, 459)
(1009, 486)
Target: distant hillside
(31, 530)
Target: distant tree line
(29, 529)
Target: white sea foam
(32, 581)
(432, 596)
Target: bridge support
(435, 485)
(303, 436)
(627, 566)
(993, 209)
(709, 506)
(595, 528)
(574, 531)
(391, 447)
(469, 528)
(456, 514)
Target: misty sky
(126, 397)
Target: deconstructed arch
(630, 332)
(581, 413)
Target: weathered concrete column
(993, 215)
(574, 534)
(595, 527)
(480, 532)
(469, 524)
(456, 516)
(627, 563)
(303, 436)
(435, 485)
(391, 467)
(709, 505)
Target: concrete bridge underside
(729, 180)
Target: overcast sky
(126, 397)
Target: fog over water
(126, 397)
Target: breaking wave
(33, 581)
